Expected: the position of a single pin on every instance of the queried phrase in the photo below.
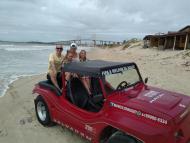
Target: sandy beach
(18, 124)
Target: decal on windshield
(117, 70)
(139, 113)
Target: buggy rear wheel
(42, 111)
(119, 137)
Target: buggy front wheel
(119, 137)
(42, 111)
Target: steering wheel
(122, 85)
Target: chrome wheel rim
(41, 110)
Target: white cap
(73, 45)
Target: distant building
(171, 40)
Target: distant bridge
(89, 42)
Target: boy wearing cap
(73, 50)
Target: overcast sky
(53, 20)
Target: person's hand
(59, 89)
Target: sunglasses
(59, 48)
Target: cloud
(48, 20)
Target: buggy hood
(157, 104)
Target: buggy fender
(147, 133)
(46, 96)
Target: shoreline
(14, 80)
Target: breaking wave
(25, 48)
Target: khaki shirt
(57, 62)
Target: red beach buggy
(123, 109)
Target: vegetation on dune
(131, 43)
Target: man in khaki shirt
(54, 67)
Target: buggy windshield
(120, 78)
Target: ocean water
(23, 60)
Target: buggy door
(80, 121)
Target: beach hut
(171, 40)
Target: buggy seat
(47, 84)
(76, 92)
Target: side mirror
(146, 80)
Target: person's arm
(52, 66)
(53, 73)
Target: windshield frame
(125, 65)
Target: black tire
(43, 116)
(119, 137)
